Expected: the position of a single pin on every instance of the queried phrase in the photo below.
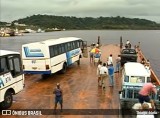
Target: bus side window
(3, 65)
(17, 66)
(55, 49)
(51, 50)
(69, 46)
(66, 47)
(59, 49)
(14, 65)
(63, 48)
(76, 44)
(11, 67)
(73, 45)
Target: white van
(134, 76)
(11, 77)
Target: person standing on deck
(98, 72)
(103, 74)
(144, 93)
(91, 54)
(111, 74)
(127, 42)
(148, 68)
(110, 60)
(143, 61)
(118, 63)
(58, 96)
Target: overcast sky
(14, 9)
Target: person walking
(144, 93)
(111, 74)
(118, 63)
(58, 96)
(103, 74)
(98, 72)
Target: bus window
(3, 65)
(51, 51)
(59, 49)
(69, 46)
(14, 66)
(73, 45)
(17, 66)
(55, 49)
(66, 47)
(63, 48)
(76, 44)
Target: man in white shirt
(104, 74)
(127, 42)
(110, 60)
(98, 73)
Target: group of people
(106, 70)
(145, 102)
(146, 65)
(95, 52)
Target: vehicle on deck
(128, 55)
(53, 55)
(11, 77)
(134, 76)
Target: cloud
(15, 9)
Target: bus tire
(64, 68)
(8, 99)
(78, 62)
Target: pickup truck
(128, 55)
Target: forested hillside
(67, 22)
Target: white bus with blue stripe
(11, 77)
(50, 56)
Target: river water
(150, 40)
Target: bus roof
(7, 52)
(135, 69)
(56, 41)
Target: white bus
(53, 55)
(11, 77)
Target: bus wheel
(7, 100)
(64, 68)
(78, 62)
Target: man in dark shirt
(58, 96)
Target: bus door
(84, 49)
(15, 67)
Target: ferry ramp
(82, 97)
